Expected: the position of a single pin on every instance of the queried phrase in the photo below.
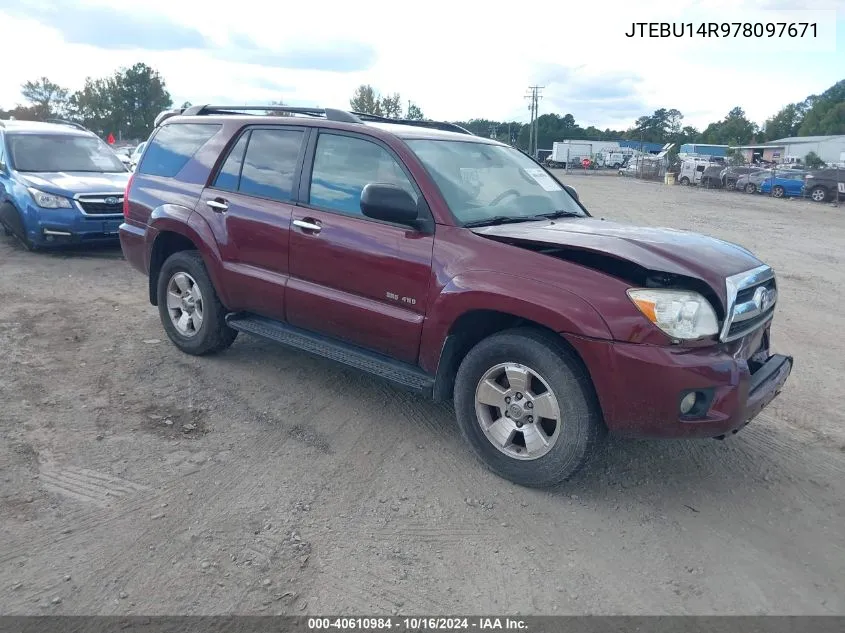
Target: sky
(456, 60)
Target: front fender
(547, 304)
(183, 221)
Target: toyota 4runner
(454, 266)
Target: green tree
(93, 106)
(391, 106)
(365, 99)
(825, 112)
(786, 122)
(813, 161)
(734, 129)
(139, 96)
(414, 113)
(47, 99)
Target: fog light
(688, 402)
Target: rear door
(351, 277)
(249, 206)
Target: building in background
(702, 149)
(795, 149)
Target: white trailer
(569, 152)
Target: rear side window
(230, 174)
(270, 163)
(173, 146)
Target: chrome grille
(101, 204)
(752, 296)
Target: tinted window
(343, 165)
(173, 146)
(270, 163)
(230, 173)
(62, 152)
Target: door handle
(218, 205)
(308, 224)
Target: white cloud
(455, 59)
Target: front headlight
(681, 314)
(48, 200)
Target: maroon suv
(454, 266)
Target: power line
(533, 107)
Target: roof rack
(435, 125)
(330, 114)
(78, 126)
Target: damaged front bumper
(639, 387)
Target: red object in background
(110, 139)
(585, 163)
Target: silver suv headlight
(681, 314)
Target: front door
(249, 207)
(351, 277)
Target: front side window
(269, 164)
(173, 146)
(61, 152)
(481, 181)
(344, 165)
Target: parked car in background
(124, 154)
(750, 182)
(454, 266)
(785, 184)
(822, 184)
(730, 175)
(711, 177)
(59, 184)
(136, 155)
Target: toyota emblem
(112, 200)
(764, 298)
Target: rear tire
(190, 310)
(556, 425)
(750, 188)
(778, 191)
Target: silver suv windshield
(485, 183)
(61, 152)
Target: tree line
(126, 103)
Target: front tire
(750, 188)
(778, 192)
(190, 310)
(527, 407)
(819, 194)
(685, 181)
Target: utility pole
(533, 106)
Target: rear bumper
(133, 244)
(640, 387)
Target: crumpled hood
(70, 183)
(657, 249)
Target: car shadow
(654, 472)
(69, 251)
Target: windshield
(484, 182)
(57, 152)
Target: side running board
(401, 374)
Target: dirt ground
(139, 480)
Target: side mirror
(389, 203)
(572, 192)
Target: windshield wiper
(560, 214)
(503, 219)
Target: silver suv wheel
(184, 304)
(517, 410)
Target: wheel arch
(179, 229)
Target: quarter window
(344, 165)
(173, 146)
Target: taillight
(126, 198)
